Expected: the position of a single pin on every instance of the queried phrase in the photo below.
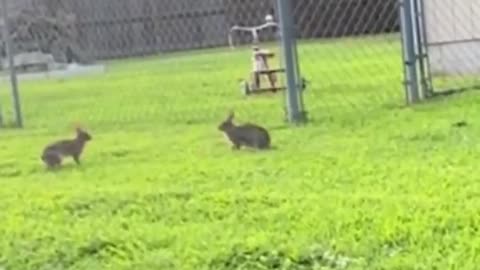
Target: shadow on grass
(67, 167)
(9, 126)
(455, 91)
(279, 127)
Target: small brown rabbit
(53, 153)
(249, 135)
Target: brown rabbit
(249, 135)
(53, 153)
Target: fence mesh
(153, 73)
(452, 40)
(349, 51)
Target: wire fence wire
(453, 43)
(349, 51)
(352, 52)
(178, 86)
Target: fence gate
(451, 36)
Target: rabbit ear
(77, 126)
(230, 116)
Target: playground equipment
(260, 59)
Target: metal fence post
(294, 100)
(11, 65)
(426, 79)
(409, 54)
(1, 110)
(299, 81)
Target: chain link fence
(349, 51)
(144, 58)
(452, 40)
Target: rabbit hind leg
(52, 160)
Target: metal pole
(11, 66)
(1, 82)
(1, 108)
(295, 115)
(428, 83)
(402, 39)
(410, 57)
(299, 81)
(421, 52)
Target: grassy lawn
(373, 183)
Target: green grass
(383, 185)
